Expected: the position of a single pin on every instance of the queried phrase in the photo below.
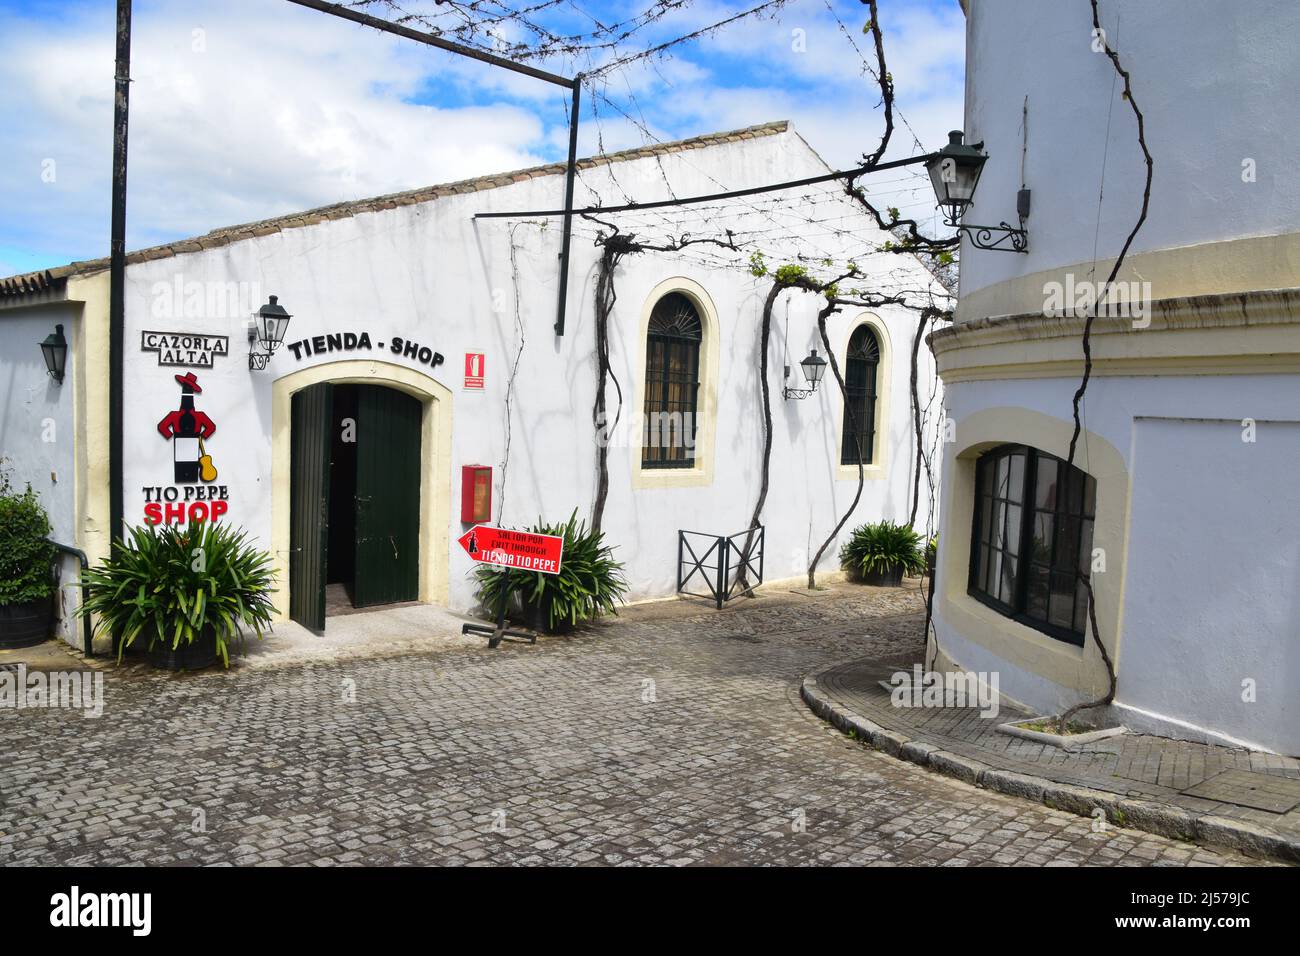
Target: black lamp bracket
(1003, 237)
(257, 361)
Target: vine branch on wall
(615, 245)
(1109, 697)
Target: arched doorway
(360, 494)
(354, 499)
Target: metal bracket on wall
(1000, 238)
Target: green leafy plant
(26, 557)
(882, 548)
(590, 582)
(168, 583)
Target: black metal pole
(430, 39)
(570, 175)
(117, 270)
(711, 197)
(575, 84)
(724, 551)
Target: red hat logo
(187, 427)
(189, 384)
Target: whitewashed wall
(429, 273)
(1212, 567)
(1213, 81)
(38, 427)
(1210, 579)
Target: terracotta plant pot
(188, 657)
(27, 624)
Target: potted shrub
(188, 593)
(26, 569)
(590, 582)
(882, 553)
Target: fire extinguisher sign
(474, 362)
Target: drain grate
(1246, 788)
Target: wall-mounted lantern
(954, 174)
(55, 350)
(267, 330)
(814, 367)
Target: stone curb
(1163, 819)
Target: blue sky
(244, 109)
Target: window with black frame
(672, 384)
(860, 367)
(1031, 547)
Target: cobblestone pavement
(674, 735)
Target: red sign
(514, 549)
(474, 362)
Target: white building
(1191, 441)
(424, 320)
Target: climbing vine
(1077, 402)
(616, 245)
(836, 297)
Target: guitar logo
(186, 428)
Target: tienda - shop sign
(361, 342)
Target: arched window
(672, 383)
(1031, 548)
(860, 369)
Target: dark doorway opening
(341, 564)
(355, 500)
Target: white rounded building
(1184, 510)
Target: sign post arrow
(520, 550)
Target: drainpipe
(86, 633)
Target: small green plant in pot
(590, 582)
(26, 568)
(881, 553)
(188, 593)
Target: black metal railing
(736, 568)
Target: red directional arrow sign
(514, 549)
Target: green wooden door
(309, 497)
(388, 497)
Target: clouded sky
(245, 109)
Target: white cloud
(249, 109)
(268, 110)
